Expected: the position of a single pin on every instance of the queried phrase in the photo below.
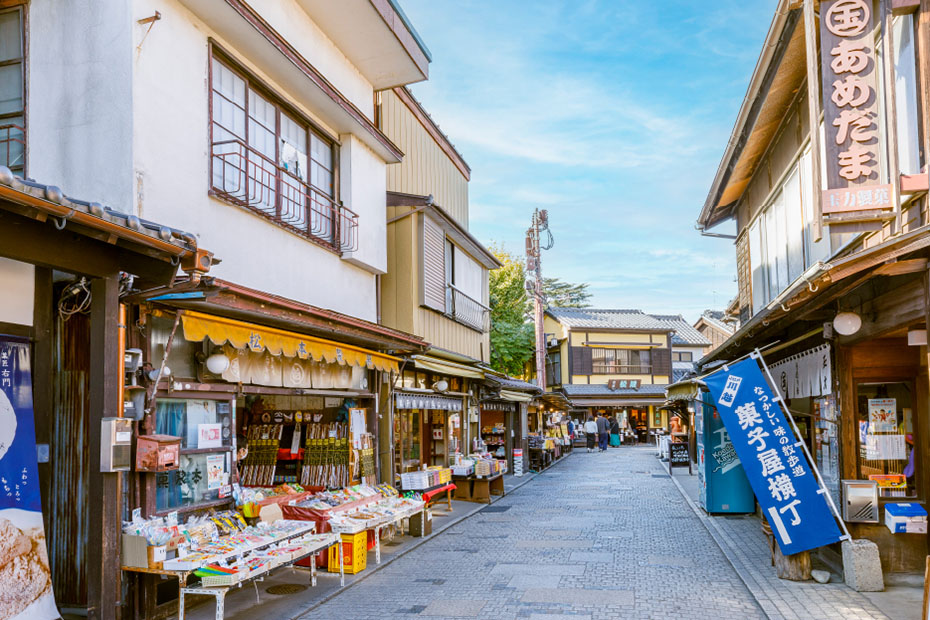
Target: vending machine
(723, 483)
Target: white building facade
(251, 125)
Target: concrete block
(862, 567)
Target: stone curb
(420, 541)
(724, 547)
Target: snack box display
(906, 518)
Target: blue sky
(611, 114)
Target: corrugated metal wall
(69, 462)
(426, 169)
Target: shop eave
(214, 296)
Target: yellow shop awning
(445, 367)
(258, 338)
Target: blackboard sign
(678, 454)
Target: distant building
(618, 360)
(713, 327)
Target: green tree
(564, 295)
(512, 336)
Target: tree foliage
(512, 335)
(566, 295)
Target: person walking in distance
(614, 432)
(602, 427)
(590, 432)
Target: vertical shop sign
(850, 108)
(773, 458)
(25, 580)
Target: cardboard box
(137, 553)
(417, 528)
(906, 518)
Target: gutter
(783, 23)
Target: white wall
(172, 165)
(364, 189)
(17, 281)
(79, 87)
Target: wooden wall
(401, 294)
(426, 169)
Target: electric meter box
(115, 444)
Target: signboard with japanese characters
(773, 458)
(26, 580)
(850, 101)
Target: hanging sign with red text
(850, 109)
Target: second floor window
(621, 362)
(682, 356)
(269, 160)
(12, 99)
(553, 368)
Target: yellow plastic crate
(445, 476)
(354, 554)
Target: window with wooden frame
(271, 160)
(621, 361)
(682, 356)
(12, 90)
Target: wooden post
(43, 377)
(103, 554)
(811, 24)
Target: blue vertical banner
(773, 458)
(22, 533)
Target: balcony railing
(622, 369)
(13, 147)
(466, 310)
(246, 177)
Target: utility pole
(535, 288)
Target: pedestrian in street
(614, 432)
(590, 432)
(571, 430)
(602, 428)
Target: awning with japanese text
(258, 338)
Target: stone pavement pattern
(598, 536)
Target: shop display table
(430, 495)
(540, 458)
(484, 488)
(463, 487)
(219, 591)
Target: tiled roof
(685, 334)
(593, 318)
(680, 373)
(509, 383)
(711, 320)
(609, 319)
(52, 198)
(600, 389)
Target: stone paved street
(598, 536)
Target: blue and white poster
(25, 580)
(773, 459)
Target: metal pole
(781, 403)
(538, 309)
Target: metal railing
(622, 369)
(466, 310)
(13, 147)
(248, 178)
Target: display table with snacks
(366, 509)
(222, 550)
(220, 584)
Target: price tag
(136, 515)
(172, 518)
(182, 551)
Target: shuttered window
(662, 362)
(434, 266)
(581, 361)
